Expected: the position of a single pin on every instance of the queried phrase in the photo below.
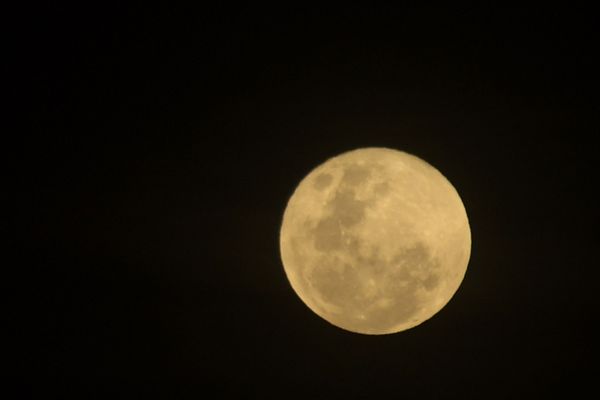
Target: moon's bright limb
(375, 241)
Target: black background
(158, 149)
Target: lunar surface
(375, 241)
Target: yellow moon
(375, 241)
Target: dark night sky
(159, 148)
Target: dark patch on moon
(431, 282)
(347, 209)
(355, 175)
(345, 212)
(381, 188)
(328, 234)
(418, 258)
(322, 181)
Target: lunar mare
(375, 241)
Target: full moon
(375, 241)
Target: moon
(375, 241)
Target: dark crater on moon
(355, 174)
(345, 209)
(322, 181)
